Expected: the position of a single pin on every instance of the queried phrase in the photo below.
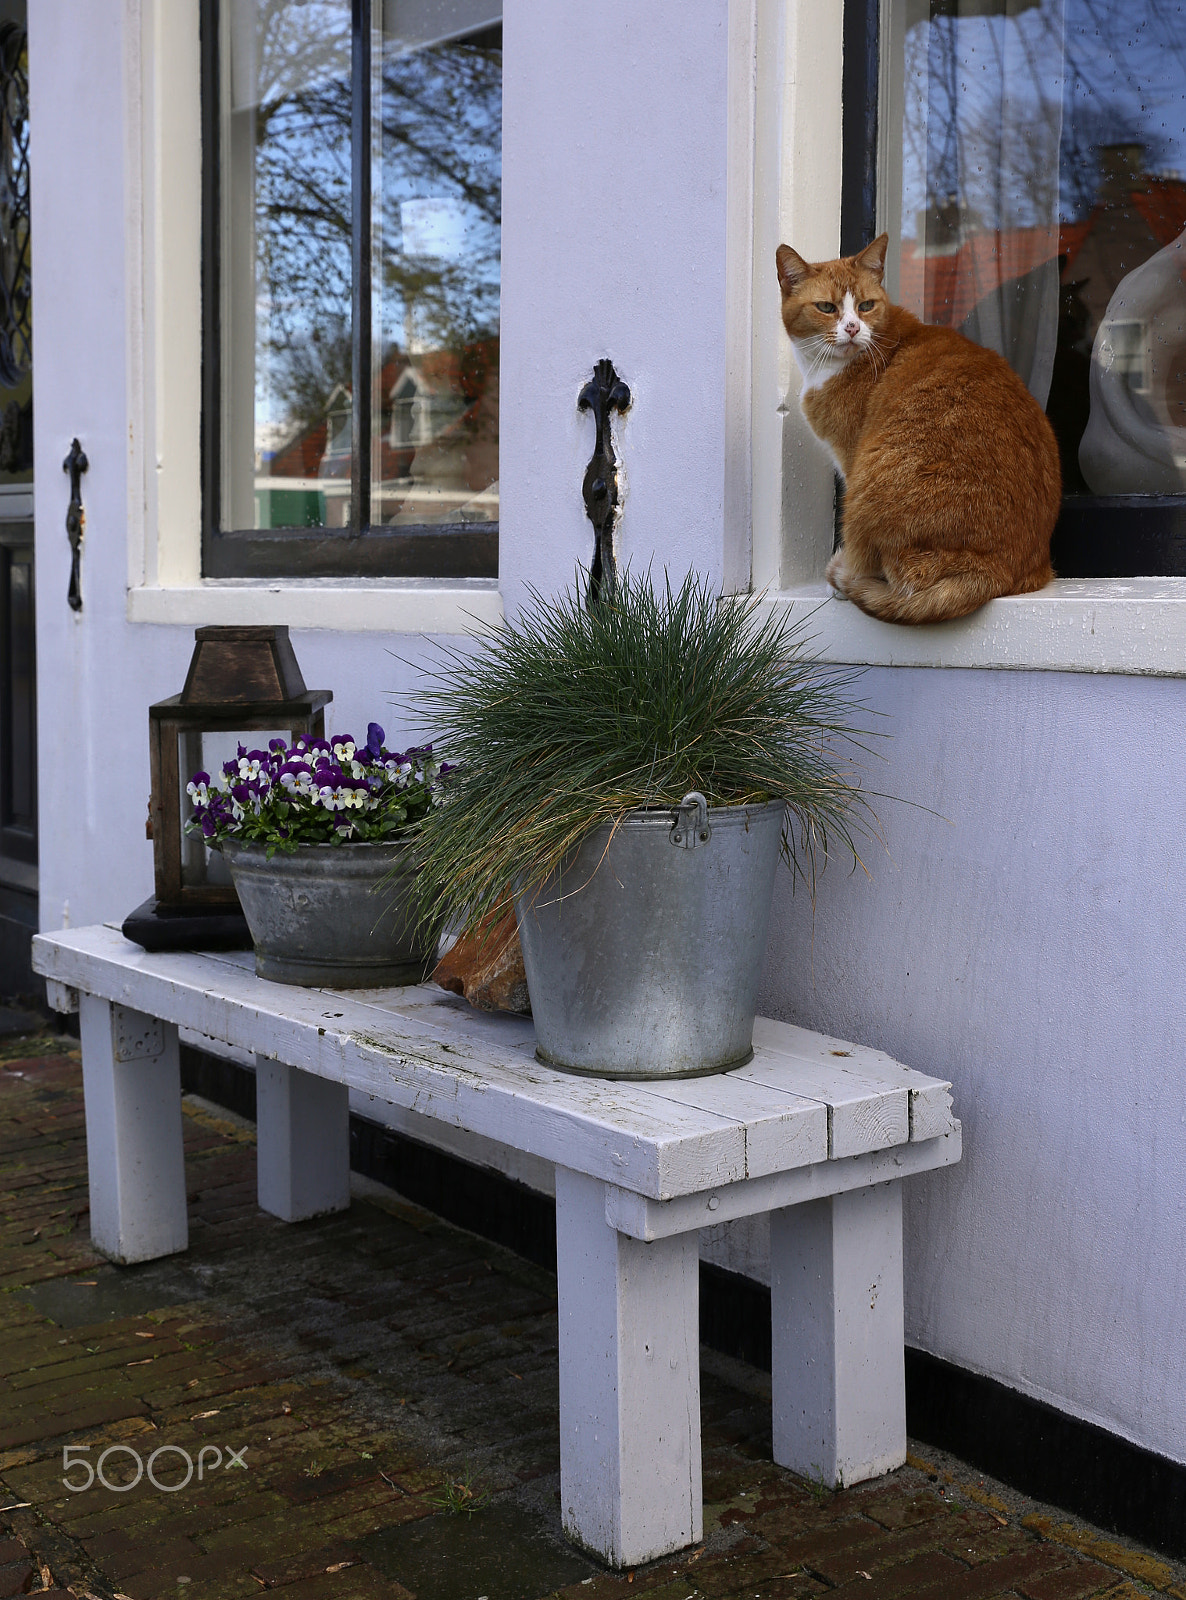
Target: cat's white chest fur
(815, 366)
(819, 360)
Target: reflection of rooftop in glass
(420, 24)
(943, 285)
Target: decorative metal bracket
(602, 395)
(75, 464)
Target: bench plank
(863, 1113)
(930, 1098)
(647, 1219)
(782, 1129)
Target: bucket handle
(691, 821)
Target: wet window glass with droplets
(1038, 191)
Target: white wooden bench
(816, 1132)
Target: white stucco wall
(614, 244)
(1024, 942)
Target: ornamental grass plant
(567, 719)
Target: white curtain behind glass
(980, 180)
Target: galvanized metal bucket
(320, 917)
(643, 954)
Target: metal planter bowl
(319, 917)
(643, 953)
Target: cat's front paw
(837, 576)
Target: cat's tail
(902, 598)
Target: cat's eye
(825, 305)
(866, 305)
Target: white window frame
(1116, 625)
(163, 243)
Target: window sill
(1121, 625)
(345, 605)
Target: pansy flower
(315, 790)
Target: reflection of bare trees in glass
(16, 278)
(967, 154)
(302, 121)
(440, 116)
(1144, 35)
(438, 123)
(315, 365)
(966, 146)
(436, 267)
(1036, 138)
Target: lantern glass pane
(207, 750)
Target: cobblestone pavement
(366, 1406)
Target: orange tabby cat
(952, 482)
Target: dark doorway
(18, 684)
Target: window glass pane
(1043, 211)
(286, 263)
(437, 192)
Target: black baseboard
(1038, 1450)
(735, 1315)
(224, 1082)
(476, 1198)
(1047, 1454)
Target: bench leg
(629, 1382)
(303, 1142)
(135, 1157)
(838, 1369)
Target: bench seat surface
(802, 1100)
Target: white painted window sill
(345, 605)
(1122, 625)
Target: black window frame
(1097, 536)
(437, 550)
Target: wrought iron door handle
(604, 394)
(75, 464)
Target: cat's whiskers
(877, 349)
(816, 352)
(821, 357)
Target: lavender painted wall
(614, 245)
(1026, 942)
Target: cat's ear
(792, 269)
(872, 257)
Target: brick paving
(365, 1406)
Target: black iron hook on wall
(604, 394)
(75, 464)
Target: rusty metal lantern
(241, 680)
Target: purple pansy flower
(315, 791)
